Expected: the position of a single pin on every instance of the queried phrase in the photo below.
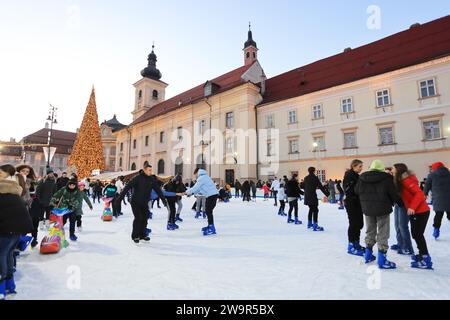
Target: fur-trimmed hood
(10, 186)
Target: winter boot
(147, 232)
(289, 220)
(297, 221)
(73, 238)
(395, 247)
(10, 286)
(211, 230)
(178, 218)
(355, 249)
(383, 262)
(34, 243)
(2, 289)
(368, 256)
(316, 227)
(420, 262)
(436, 233)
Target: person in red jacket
(418, 210)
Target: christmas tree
(87, 152)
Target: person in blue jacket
(206, 187)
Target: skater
(69, 197)
(206, 187)
(275, 187)
(418, 211)
(26, 174)
(62, 181)
(293, 192)
(253, 189)
(331, 191)
(341, 194)
(266, 190)
(14, 222)
(237, 188)
(438, 182)
(97, 191)
(181, 188)
(353, 208)
(282, 198)
(311, 183)
(110, 192)
(246, 191)
(79, 209)
(142, 186)
(200, 206)
(120, 186)
(377, 194)
(44, 192)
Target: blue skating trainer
(172, 226)
(420, 262)
(289, 220)
(2, 289)
(73, 238)
(310, 224)
(436, 233)
(368, 256)
(178, 218)
(210, 230)
(198, 215)
(297, 221)
(316, 227)
(355, 249)
(10, 286)
(384, 263)
(147, 232)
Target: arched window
(254, 55)
(120, 162)
(133, 166)
(161, 166)
(179, 166)
(248, 54)
(155, 94)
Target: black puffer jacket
(311, 183)
(377, 193)
(438, 182)
(45, 191)
(293, 189)
(14, 216)
(142, 187)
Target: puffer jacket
(14, 216)
(438, 182)
(412, 196)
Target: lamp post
(52, 119)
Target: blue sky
(55, 50)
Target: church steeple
(151, 71)
(250, 48)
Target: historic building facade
(389, 99)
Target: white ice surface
(256, 255)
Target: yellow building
(389, 99)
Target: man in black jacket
(377, 194)
(311, 183)
(62, 181)
(142, 186)
(44, 192)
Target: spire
(151, 71)
(250, 41)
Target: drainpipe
(257, 143)
(129, 148)
(210, 127)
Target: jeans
(179, 206)
(8, 242)
(401, 220)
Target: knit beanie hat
(437, 165)
(377, 165)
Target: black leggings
(246, 196)
(282, 205)
(438, 218)
(72, 217)
(418, 225)
(355, 221)
(210, 205)
(313, 214)
(172, 209)
(79, 221)
(293, 205)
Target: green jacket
(65, 199)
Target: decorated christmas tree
(87, 152)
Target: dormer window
(210, 88)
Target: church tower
(150, 90)
(250, 48)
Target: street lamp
(52, 119)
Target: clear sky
(55, 50)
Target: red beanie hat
(437, 165)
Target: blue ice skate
(384, 263)
(210, 230)
(172, 226)
(316, 227)
(147, 232)
(368, 256)
(198, 215)
(178, 218)
(24, 242)
(73, 238)
(310, 224)
(2, 290)
(10, 286)
(355, 249)
(290, 220)
(395, 247)
(436, 233)
(419, 262)
(204, 214)
(297, 221)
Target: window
(317, 111)
(432, 129)
(292, 116)
(248, 54)
(319, 143)
(112, 151)
(229, 145)
(155, 94)
(347, 105)
(146, 141)
(321, 174)
(120, 162)
(386, 135)
(229, 121)
(121, 146)
(293, 146)
(349, 140)
(140, 95)
(269, 148)
(161, 166)
(134, 144)
(133, 166)
(254, 55)
(383, 98)
(427, 88)
(269, 121)
(161, 137)
(201, 127)
(180, 133)
(208, 90)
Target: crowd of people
(369, 197)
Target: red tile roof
(226, 81)
(62, 140)
(410, 47)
